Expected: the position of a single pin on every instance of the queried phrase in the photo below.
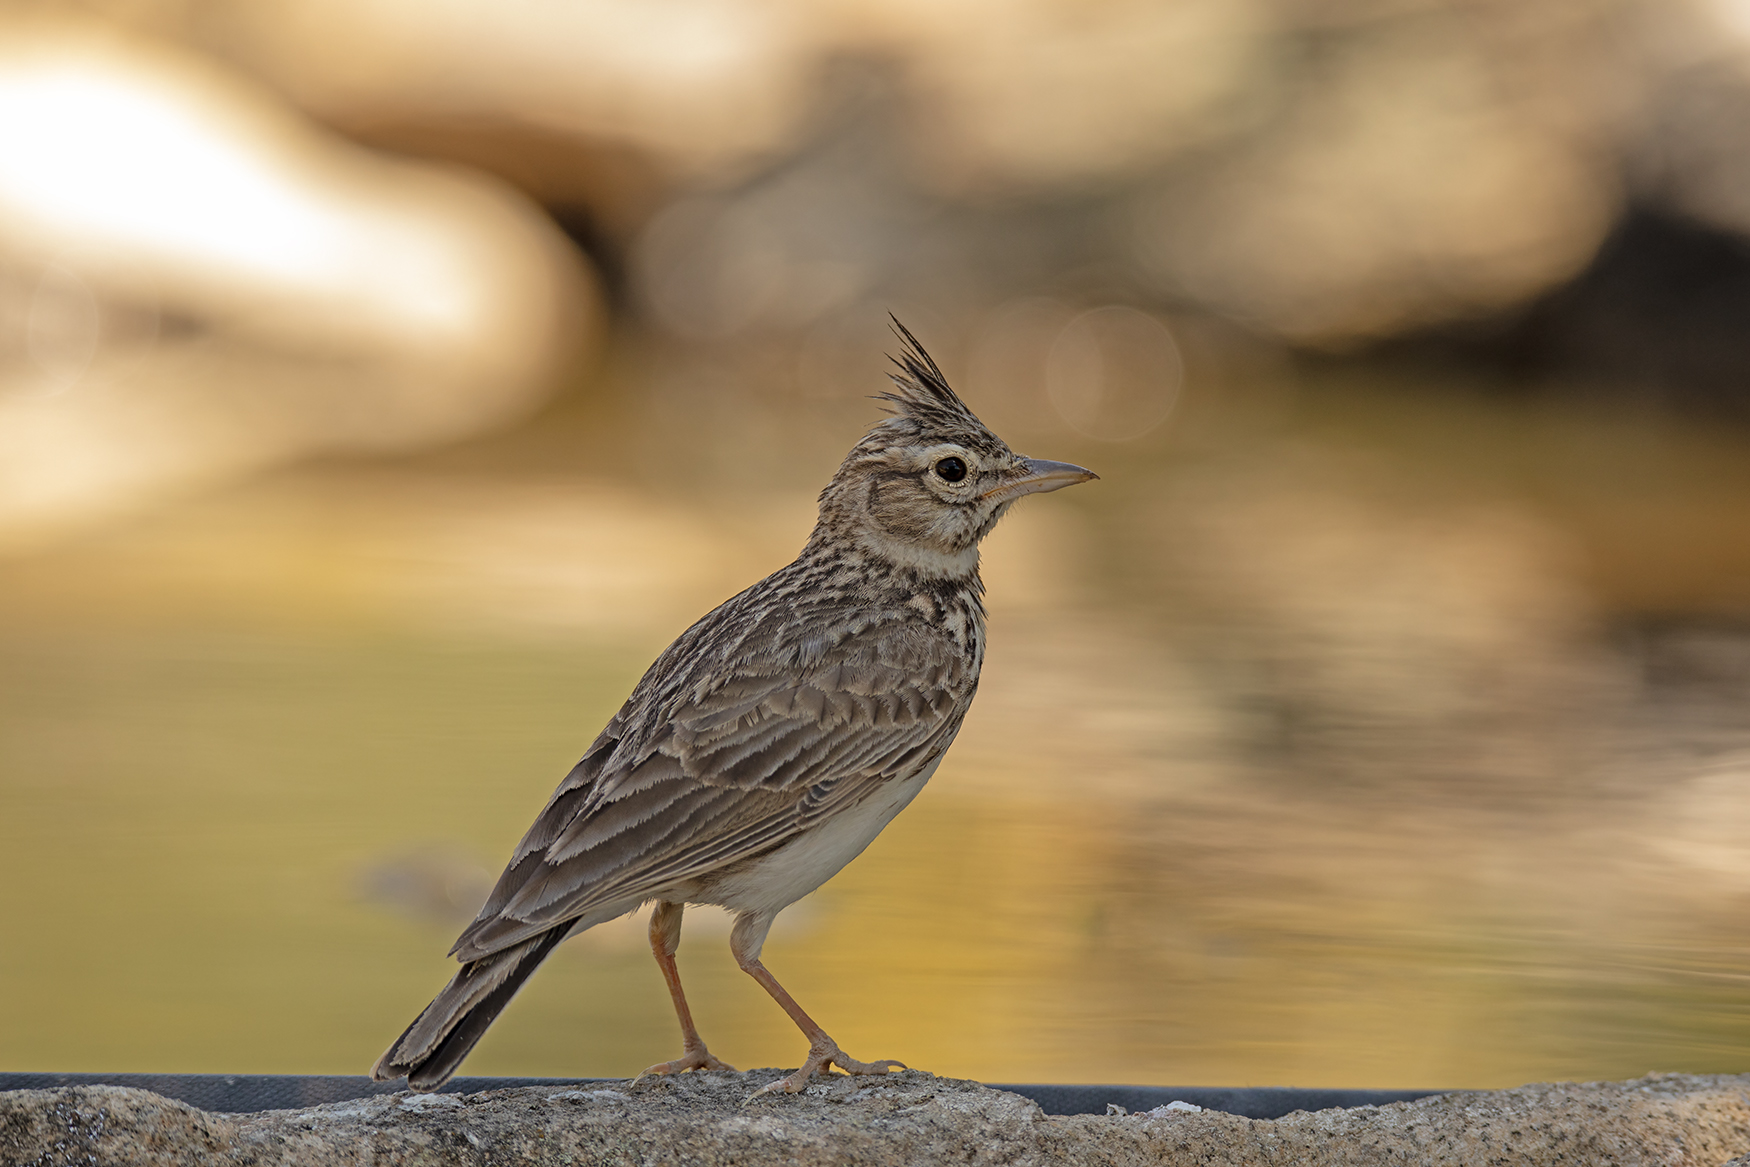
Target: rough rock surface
(906, 1118)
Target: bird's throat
(928, 562)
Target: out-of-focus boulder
(1023, 94)
(195, 282)
(1417, 169)
(1325, 171)
(699, 85)
(1325, 176)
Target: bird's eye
(950, 470)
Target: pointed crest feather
(920, 390)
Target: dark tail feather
(440, 1037)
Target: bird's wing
(736, 768)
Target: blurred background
(383, 384)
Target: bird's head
(926, 484)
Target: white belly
(798, 867)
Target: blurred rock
(1029, 92)
(1326, 171)
(1026, 94)
(903, 1118)
(1414, 170)
(195, 283)
(1693, 152)
(699, 86)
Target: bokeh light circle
(1114, 373)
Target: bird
(772, 741)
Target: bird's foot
(695, 1058)
(822, 1056)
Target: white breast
(798, 867)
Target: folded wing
(726, 772)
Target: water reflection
(1327, 755)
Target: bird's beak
(1041, 476)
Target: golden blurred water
(1317, 756)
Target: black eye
(950, 470)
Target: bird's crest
(920, 390)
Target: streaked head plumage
(924, 485)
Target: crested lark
(770, 743)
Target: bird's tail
(440, 1037)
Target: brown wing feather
(728, 773)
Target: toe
(659, 1068)
(699, 1059)
(822, 1057)
(817, 1063)
(853, 1066)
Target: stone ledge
(905, 1118)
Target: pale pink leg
(745, 942)
(665, 938)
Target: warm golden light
(74, 135)
(138, 185)
(1376, 719)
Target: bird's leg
(665, 938)
(745, 941)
